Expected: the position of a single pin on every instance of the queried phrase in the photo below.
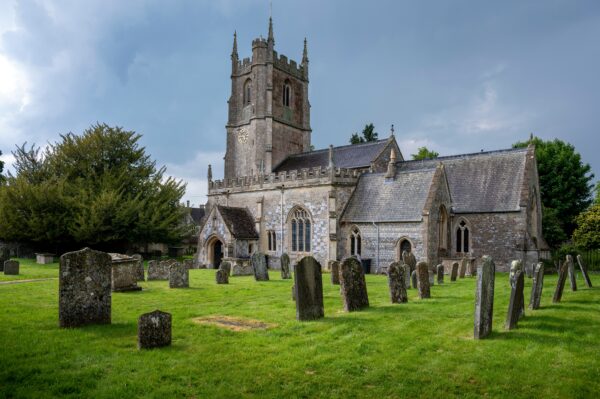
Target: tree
(1, 169)
(424, 153)
(368, 134)
(587, 233)
(597, 190)
(564, 184)
(99, 189)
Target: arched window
(462, 237)
(247, 92)
(272, 238)
(287, 92)
(300, 226)
(443, 228)
(355, 242)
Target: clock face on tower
(242, 135)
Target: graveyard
(242, 339)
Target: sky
(454, 76)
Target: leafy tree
(424, 153)
(368, 134)
(99, 189)
(587, 233)
(564, 185)
(597, 190)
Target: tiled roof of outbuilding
(239, 221)
(197, 214)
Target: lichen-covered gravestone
(158, 270)
(334, 266)
(259, 265)
(179, 275)
(396, 283)
(584, 271)
(537, 286)
(454, 271)
(406, 271)
(516, 300)
(440, 274)
(484, 298)
(463, 267)
(353, 285)
(140, 266)
(571, 270)
(308, 289)
(124, 274)
(409, 259)
(222, 277)
(560, 284)
(84, 288)
(423, 280)
(226, 267)
(154, 330)
(285, 266)
(413, 278)
(11, 268)
(515, 266)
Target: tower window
(272, 239)
(462, 237)
(286, 93)
(247, 92)
(301, 228)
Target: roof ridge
(335, 148)
(470, 154)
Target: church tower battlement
(269, 111)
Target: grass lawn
(28, 269)
(420, 349)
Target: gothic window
(443, 227)
(287, 90)
(301, 228)
(247, 92)
(272, 238)
(462, 237)
(355, 242)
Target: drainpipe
(377, 251)
(281, 224)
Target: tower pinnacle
(270, 38)
(305, 53)
(234, 52)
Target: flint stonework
(222, 277)
(572, 275)
(308, 289)
(179, 275)
(423, 280)
(259, 265)
(484, 298)
(440, 274)
(454, 272)
(537, 286)
(154, 329)
(285, 266)
(334, 266)
(396, 283)
(516, 298)
(413, 278)
(11, 268)
(84, 288)
(584, 271)
(353, 285)
(560, 284)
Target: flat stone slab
(423, 280)
(560, 283)
(537, 286)
(439, 269)
(124, 273)
(308, 289)
(221, 277)
(284, 260)
(158, 270)
(484, 298)
(242, 270)
(516, 300)
(234, 323)
(571, 271)
(154, 330)
(259, 265)
(396, 284)
(353, 285)
(334, 266)
(179, 275)
(584, 271)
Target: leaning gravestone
(584, 271)
(259, 265)
(140, 266)
(334, 266)
(516, 299)
(226, 267)
(463, 267)
(285, 266)
(409, 259)
(158, 270)
(84, 288)
(11, 268)
(353, 285)
(413, 278)
(517, 266)
(406, 271)
(179, 275)
(537, 286)
(572, 276)
(423, 280)
(484, 298)
(560, 284)
(396, 283)
(4, 256)
(308, 289)
(154, 330)
(222, 277)
(454, 271)
(440, 274)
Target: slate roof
(480, 182)
(402, 199)
(347, 156)
(197, 214)
(239, 221)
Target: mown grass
(28, 269)
(420, 349)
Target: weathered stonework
(308, 289)
(154, 330)
(179, 275)
(515, 267)
(124, 273)
(396, 283)
(440, 274)
(334, 266)
(560, 283)
(222, 277)
(353, 285)
(226, 267)
(140, 267)
(285, 267)
(157, 270)
(259, 265)
(11, 268)
(516, 300)
(484, 298)
(571, 271)
(463, 267)
(413, 278)
(454, 271)
(584, 271)
(537, 286)
(406, 271)
(423, 280)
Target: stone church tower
(269, 112)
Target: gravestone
(584, 271)
(406, 271)
(423, 280)
(413, 278)
(571, 271)
(537, 286)
(124, 273)
(179, 275)
(560, 284)
(294, 292)
(285, 266)
(484, 298)
(226, 267)
(259, 265)
(189, 263)
(44, 258)
(471, 268)
(334, 266)
(308, 289)
(140, 266)
(4, 256)
(409, 259)
(516, 299)
(84, 288)
(240, 269)
(396, 275)
(431, 278)
(158, 270)
(517, 266)
(353, 285)
(222, 277)
(154, 329)
(440, 274)
(454, 271)
(463, 267)
(11, 268)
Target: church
(278, 195)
